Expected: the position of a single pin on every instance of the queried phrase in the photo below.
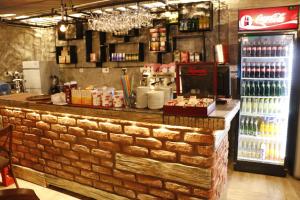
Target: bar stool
(8, 176)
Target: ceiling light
(76, 15)
(7, 15)
(121, 8)
(154, 5)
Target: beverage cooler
(266, 67)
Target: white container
(155, 100)
(168, 93)
(118, 100)
(141, 96)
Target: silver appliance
(37, 76)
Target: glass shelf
(277, 116)
(266, 79)
(269, 57)
(266, 97)
(259, 138)
(274, 162)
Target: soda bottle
(251, 126)
(255, 131)
(253, 49)
(269, 49)
(272, 147)
(277, 70)
(252, 72)
(283, 71)
(273, 49)
(242, 125)
(262, 70)
(271, 129)
(273, 89)
(264, 49)
(279, 49)
(254, 106)
(244, 49)
(272, 70)
(266, 106)
(257, 89)
(262, 89)
(244, 68)
(261, 106)
(283, 89)
(277, 152)
(248, 70)
(246, 126)
(267, 128)
(243, 88)
(258, 49)
(257, 70)
(268, 70)
(262, 128)
(267, 89)
(285, 49)
(249, 50)
(278, 89)
(247, 93)
(252, 89)
(263, 151)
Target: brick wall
(90, 151)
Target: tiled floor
(241, 186)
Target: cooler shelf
(273, 162)
(267, 79)
(278, 116)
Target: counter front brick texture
(94, 152)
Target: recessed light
(21, 17)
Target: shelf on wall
(89, 47)
(69, 54)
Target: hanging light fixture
(63, 26)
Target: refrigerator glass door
(266, 68)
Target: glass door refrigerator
(266, 67)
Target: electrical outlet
(81, 70)
(105, 70)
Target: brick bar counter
(119, 154)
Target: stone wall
(130, 159)
(23, 44)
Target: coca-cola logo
(272, 19)
(246, 20)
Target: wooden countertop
(227, 111)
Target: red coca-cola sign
(264, 19)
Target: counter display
(118, 153)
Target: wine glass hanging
(122, 21)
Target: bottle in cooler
(257, 70)
(271, 129)
(243, 90)
(274, 49)
(267, 124)
(244, 68)
(264, 49)
(244, 49)
(267, 89)
(277, 70)
(248, 70)
(262, 128)
(254, 106)
(262, 70)
(262, 88)
(249, 48)
(242, 126)
(266, 105)
(277, 152)
(252, 89)
(247, 91)
(261, 106)
(283, 71)
(267, 157)
(278, 89)
(253, 49)
(246, 126)
(272, 70)
(273, 89)
(257, 88)
(285, 49)
(253, 149)
(256, 127)
(279, 49)
(283, 88)
(252, 70)
(263, 151)
(258, 49)
(272, 148)
(268, 70)
(269, 49)
(251, 126)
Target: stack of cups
(107, 97)
(118, 100)
(155, 100)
